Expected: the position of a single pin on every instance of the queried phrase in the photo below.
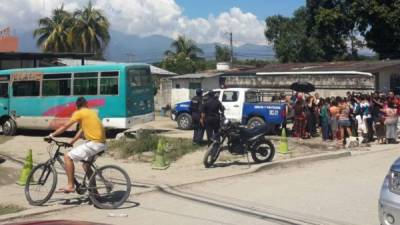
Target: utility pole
(231, 43)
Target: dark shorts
(344, 123)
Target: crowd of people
(369, 117)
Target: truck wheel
(184, 121)
(9, 127)
(255, 122)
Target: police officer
(210, 115)
(195, 107)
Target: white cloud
(144, 17)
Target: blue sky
(261, 8)
(171, 18)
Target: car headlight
(394, 182)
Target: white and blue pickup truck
(243, 105)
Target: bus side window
(56, 84)
(3, 90)
(26, 88)
(109, 83)
(85, 83)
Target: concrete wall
(163, 96)
(384, 78)
(326, 85)
(179, 94)
(210, 83)
(183, 92)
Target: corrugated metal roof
(196, 75)
(315, 73)
(74, 62)
(360, 66)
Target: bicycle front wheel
(109, 187)
(40, 184)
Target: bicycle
(103, 190)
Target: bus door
(4, 98)
(4, 95)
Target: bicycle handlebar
(58, 143)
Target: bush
(147, 142)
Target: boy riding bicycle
(94, 133)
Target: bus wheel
(255, 122)
(184, 121)
(9, 127)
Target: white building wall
(384, 78)
(179, 94)
(183, 93)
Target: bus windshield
(139, 77)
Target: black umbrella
(302, 86)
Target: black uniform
(212, 108)
(195, 107)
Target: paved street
(341, 191)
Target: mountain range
(133, 48)
(126, 47)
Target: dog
(352, 142)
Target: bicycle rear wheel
(109, 187)
(40, 184)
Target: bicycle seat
(93, 158)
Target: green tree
(323, 30)
(222, 53)
(290, 39)
(179, 64)
(53, 31)
(378, 22)
(185, 47)
(183, 57)
(90, 33)
(332, 23)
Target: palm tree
(185, 47)
(53, 31)
(90, 31)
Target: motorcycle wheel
(263, 151)
(212, 154)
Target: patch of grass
(9, 208)
(178, 147)
(147, 142)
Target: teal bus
(44, 98)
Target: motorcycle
(239, 140)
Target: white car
(389, 200)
